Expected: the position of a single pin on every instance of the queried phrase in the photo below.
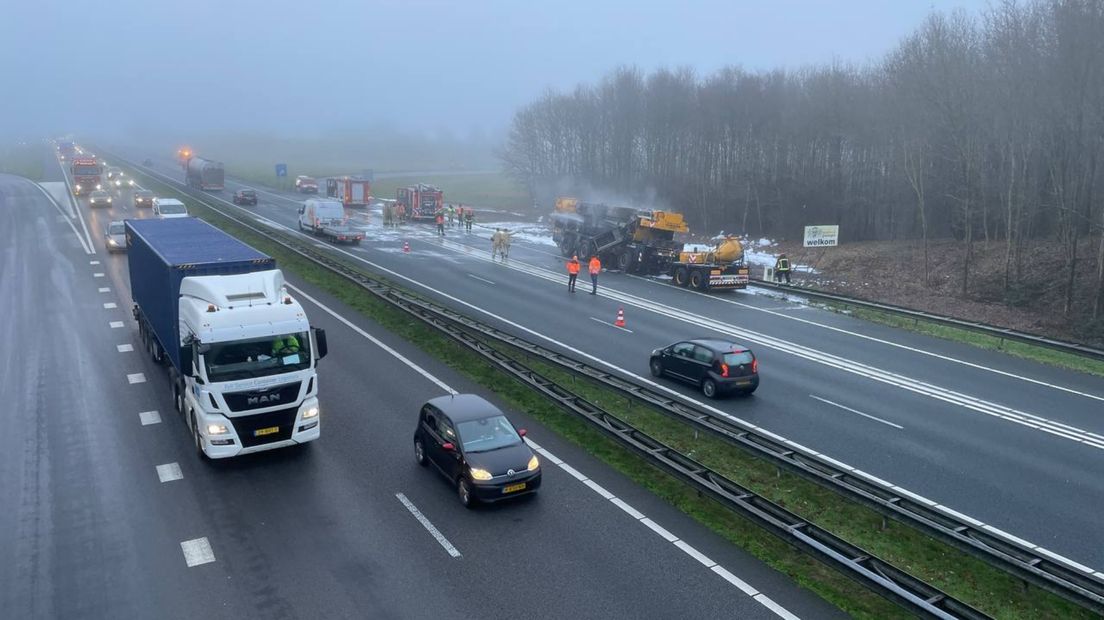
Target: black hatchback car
(474, 445)
(245, 197)
(716, 366)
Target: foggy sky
(463, 67)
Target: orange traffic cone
(406, 247)
(620, 322)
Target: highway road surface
(1012, 443)
(110, 513)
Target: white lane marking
(782, 612)
(84, 246)
(109, 305)
(599, 489)
(136, 378)
(149, 417)
(399, 356)
(736, 581)
(608, 324)
(197, 551)
(105, 289)
(632, 512)
(169, 472)
(115, 324)
(433, 531)
(1061, 558)
(705, 560)
(574, 473)
(93, 262)
(98, 274)
(475, 277)
(659, 529)
(76, 209)
(537, 334)
(856, 411)
(124, 348)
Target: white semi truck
(239, 350)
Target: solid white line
(782, 612)
(136, 378)
(105, 289)
(399, 356)
(694, 553)
(109, 305)
(574, 473)
(197, 551)
(548, 455)
(1061, 558)
(169, 472)
(115, 324)
(607, 324)
(124, 348)
(865, 415)
(473, 276)
(632, 512)
(149, 417)
(734, 580)
(597, 488)
(87, 250)
(433, 531)
(658, 529)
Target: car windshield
(487, 434)
(247, 192)
(257, 357)
(171, 209)
(116, 228)
(98, 194)
(735, 359)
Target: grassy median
(959, 574)
(22, 159)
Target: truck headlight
(310, 412)
(216, 429)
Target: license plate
(266, 431)
(513, 488)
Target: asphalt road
(313, 531)
(1013, 443)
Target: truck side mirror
(320, 341)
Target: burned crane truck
(643, 242)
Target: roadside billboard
(821, 236)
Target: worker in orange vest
(572, 273)
(595, 269)
(441, 223)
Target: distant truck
(239, 351)
(66, 149)
(326, 218)
(718, 268)
(349, 191)
(422, 202)
(204, 174)
(306, 185)
(86, 173)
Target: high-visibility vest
(595, 266)
(783, 264)
(573, 267)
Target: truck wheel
(682, 275)
(178, 397)
(697, 279)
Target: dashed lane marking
(105, 289)
(169, 472)
(125, 348)
(93, 262)
(98, 274)
(109, 305)
(115, 324)
(136, 378)
(149, 417)
(475, 277)
(433, 531)
(197, 551)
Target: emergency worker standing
(572, 273)
(595, 269)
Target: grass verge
(25, 160)
(957, 573)
(1031, 352)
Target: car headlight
(480, 474)
(79, 187)
(98, 186)
(534, 463)
(109, 200)
(131, 183)
(111, 241)
(311, 412)
(216, 429)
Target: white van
(169, 207)
(316, 213)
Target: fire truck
(422, 201)
(86, 174)
(350, 191)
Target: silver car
(115, 237)
(99, 198)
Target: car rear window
(735, 359)
(116, 228)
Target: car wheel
(709, 388)
(463, 490)
(419, 452)
(657, 368)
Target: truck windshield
(258, 357)
(86, 170)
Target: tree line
(987, 128)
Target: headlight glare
(311, 412)
(216, 429)
(480, 474)
(534, 463)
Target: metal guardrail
(995, 331)
(1013, 556)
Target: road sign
(821, 236)
(281, 170)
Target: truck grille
(259, 399)
(246, 426)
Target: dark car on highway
(245, 197)
(143, 198)
(714, 365)
(476, 448)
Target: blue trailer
(162, 252)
